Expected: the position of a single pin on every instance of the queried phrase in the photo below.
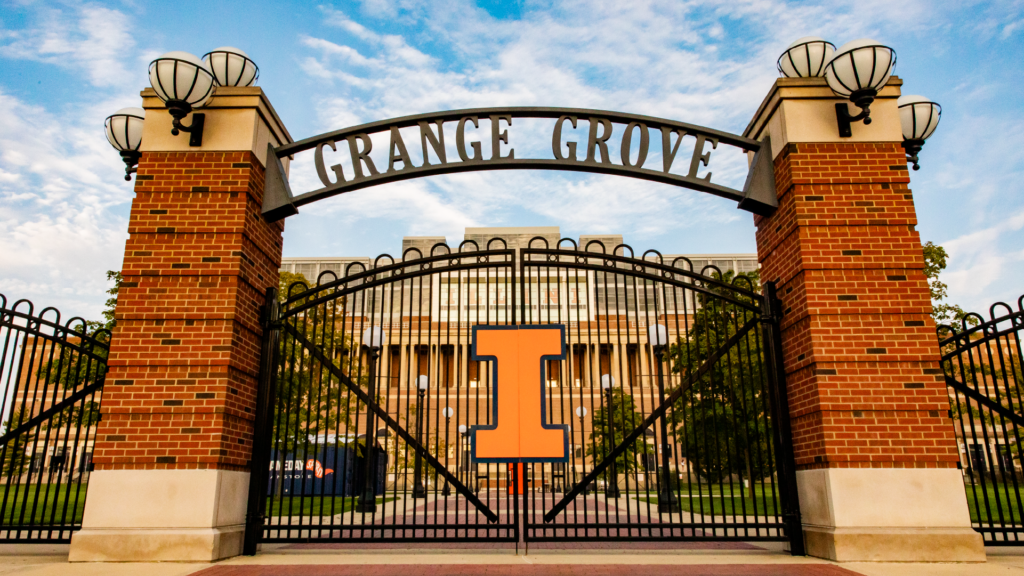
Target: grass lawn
(718, 505)
(53, 495)
(1007, 502)
(313, 505)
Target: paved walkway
(350, 560)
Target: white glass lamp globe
(806, 58)
(124, 129)
(860, 67)
(423, 382)
(181, 77)
(581, 412)
(462, 428)
(231, 67)
(124, 132)
(657, 334)
(447, 412)
(919, 116)
(373, 337)
(607, 381)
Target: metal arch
(380, 276)
(758, 195)
(752, 306)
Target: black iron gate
(670, 387)
(982, 365)
(52, 376)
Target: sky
(65, 66)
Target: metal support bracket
(844, 120)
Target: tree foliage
(310, 402)
(935, 258)
(15, 452)
(72, 369)
(625, 417)
(722, 420)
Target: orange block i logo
(521, 430)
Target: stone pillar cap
(803, 110)
(237, 119)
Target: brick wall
(861, 357)
(184, 359)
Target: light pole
(464, 435)
(373, 339)
(657, 335)
(447, 412)
(611, 490)
(581, 413)
(418, 491)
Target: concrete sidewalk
(345, 560)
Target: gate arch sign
(590, 155)
(520, 432)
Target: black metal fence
(982, 365)
(686, 440)
(52, 380)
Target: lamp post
(183, 82)
(657, 335)
(857, 71)
(447, 413)
(464, 435)
(418, 490)
(373, 339)
(581, 413)
(611, 490)
(919, 117)
(124, 132)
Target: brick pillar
(875, 448)
(173, 446)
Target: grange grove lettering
(581, 141)
(470, 151)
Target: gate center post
(875, 449)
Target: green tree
(935, 258)
(71, 369)
(15, 452)
(311, 402)
(625, 417)
(721, 420)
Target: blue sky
(64, 66)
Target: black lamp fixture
(919, 117)
(231, 67)
(806, 58)
(857, 71)
(184, 83)
(124, 132)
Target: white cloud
(93, 40)
(64, 199)
(65, 202)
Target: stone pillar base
(894, 544)
(182, 545)
(887, 515)
(162, 516)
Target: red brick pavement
(530, 570)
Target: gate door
(982, 366)
(332, 470)
(51, 377)
(672, 390)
